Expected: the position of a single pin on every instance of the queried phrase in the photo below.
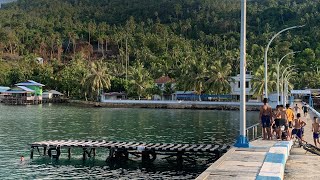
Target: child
(265, 117)
(305, 109)
(296, 109)
(276, 117)
(298, 124)
(315, 130)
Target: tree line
(90, 46)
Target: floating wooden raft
(122, 149)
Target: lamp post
(278, 74)
(266, 58)
(242, 140)
(286, 89)
(288, 72)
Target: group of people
(283, 123)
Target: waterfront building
(235, 85)
(113, 96)
(166, 85)
(29, 92)
(53, 96)
(162, 81)
(3, 92)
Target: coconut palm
(140, 79)
(98, 78)
(218, 78)
(258, 81)
(193, 75)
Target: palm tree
(98, 78)
(140, 79)
(193, 75)
(258, 81)
(218, 78)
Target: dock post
(145, 156)
(45, 150)
(69, 153)
(84, 155)
(111, 155)
(179, 159)
(94, 152)
(31, 152)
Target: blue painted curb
(267, 178)
(276, 157)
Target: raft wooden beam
(123, 149)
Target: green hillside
(196, 42)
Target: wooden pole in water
(94, 152)
(31, 153)
(84, 156)
(69, 153)
(44, 150)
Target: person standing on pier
(305, 109)
(265, 117)
(296, 109)
(276, 121)
(316, 131)
(283, 121)
(298, 125)
(290, 116)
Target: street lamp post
(286, 89)
(242, 140)
(288, 73)
(278, 74)
(266, 58)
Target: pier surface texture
(268, 160)
(302, 164)
(262, 160)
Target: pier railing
(254, 132)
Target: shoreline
(201, 105)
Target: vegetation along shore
(82, 48)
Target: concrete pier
(302, 164)
(263, 160)
(268, 159)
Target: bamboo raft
(121, 150)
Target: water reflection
(21, 125)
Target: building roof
(20, 90)
(29, 83)
(114, 94)
(184, 92)
(3, 89)
(54, 92)
(163, 80)
(25, 88)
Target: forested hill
(196, 42)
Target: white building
(235, 84)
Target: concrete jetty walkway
(268, 160)
(302, 165)
(263, 160)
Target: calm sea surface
(20, 125)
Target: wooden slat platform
(161, 147)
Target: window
(247, 84)
(239, 84)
